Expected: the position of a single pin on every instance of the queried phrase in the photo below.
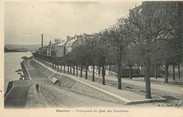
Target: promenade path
(156, 84)
(51, 95)
(126, 95)
(173, 93)
(168, 91)
(161, 87)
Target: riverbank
(42, 92)
(50, 88)
(17, 90)
(11, 65)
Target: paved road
(61, 97)
(55, 96)
(34, 73)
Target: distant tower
(41, 40)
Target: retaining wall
(9, 87)
(72, 84)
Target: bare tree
(118, 37)
(150, 25)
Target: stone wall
(70, 83)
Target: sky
(26, 21)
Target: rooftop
(71, 42)
(62, 43)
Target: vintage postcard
(91, 58)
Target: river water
(11, 64)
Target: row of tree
(150, 36)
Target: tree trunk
(64, 68)
(98, 70)
(81, 71)
(57, 67)
(68, 69)
(93, 76)
(119, 56)
(173, 71)
(179, 70)
(147, 77)
(166, 72)
(76, 70)
(156, 72)
(73, 70)
(61, 68)
(103, 75)
(52, 66)
(109, 67)
(86, 72)
(130, 67)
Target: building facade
(60, 49)
(74, 42)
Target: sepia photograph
(94, 54)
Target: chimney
(41, 40)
